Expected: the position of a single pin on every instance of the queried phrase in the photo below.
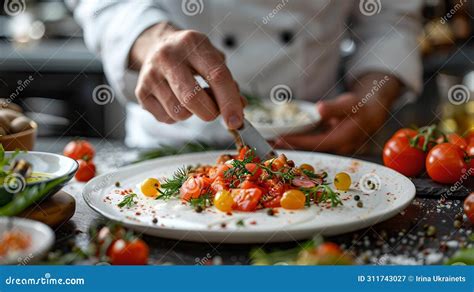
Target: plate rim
(90, 187)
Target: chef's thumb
(338, 107)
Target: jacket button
(229, 41)
(286, 37)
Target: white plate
(42, 238)
(179, 221)
(273, 131)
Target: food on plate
(446, 157)
(243, 182)
(342, 181)
(150, 187)
(277, 114)
(315, 252)
(12, 242)
(83, 152)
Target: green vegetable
(463, 256)
(128, 201)
(30, 195)
(170, 188)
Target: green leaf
(128, 201)
(463, 256)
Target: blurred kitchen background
(44, 45)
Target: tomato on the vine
(79, 149)
(455, 139)
(446, 163)
(399, 155)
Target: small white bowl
(42, 238)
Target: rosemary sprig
(128, 201)
(327, 194)
(170, 188)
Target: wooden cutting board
(55, 211)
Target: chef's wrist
(145, 43)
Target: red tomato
(218, 185)
(134, 252)
(79, 149)
(272, 202)
(470, 154)
(254, 169)
(400, 156)
(191, 188)
(246, 199)
(469, 137)
(86, 170)
(446, 163)
(219, 170)
(455, 139)
(405, 132)
(247, 184)
(469, 207)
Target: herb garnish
(204, 201)
(170, 188)
(128, 201)
(321, 193)
(240, 223)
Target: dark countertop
(399, 240)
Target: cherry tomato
(400, 156)
(86, 170)
(79, 149)
(326, 253)
(469, 137)
(307, 167)
(293, 200)
(246, 200)
(405, 132)
(470, 154)
(469, 207)
(248, 184)
(455, 139)
(191, 188)
(254, 169)
(134, 252)
(446, 163)
(150, 186)
(342, 181)
(223, 201)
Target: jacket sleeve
(386, 34)
(110, 30)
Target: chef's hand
(168, 59)
(349, 120)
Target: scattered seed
(457, 224)
(198, 209)
(270, 212)
(360, 204)
(357, 197)
(117, 184)
(154, 220)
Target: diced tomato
(246, 199)
(191, 189)
(272, 202)
(247, 184)
(254, 169)
(218, 171)
(243, 153)
(218, 185)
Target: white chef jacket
(267, 43)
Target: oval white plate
(273, 131)
(42, 238)
(181, 222)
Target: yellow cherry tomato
(307, 167)
(342, 181)
(293, 199)
(149, 187)
(223, 201)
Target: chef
(152, 52)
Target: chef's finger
(189, 93)
(170, 103)
(208, 62)
(152, 105)
(339, 107)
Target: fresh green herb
(128, 201)
(240, 223)
(204, 201)
(284, 173)
(238, 170)
(321, 193)
(170, 188)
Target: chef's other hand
(349, 120)
(168, 59)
